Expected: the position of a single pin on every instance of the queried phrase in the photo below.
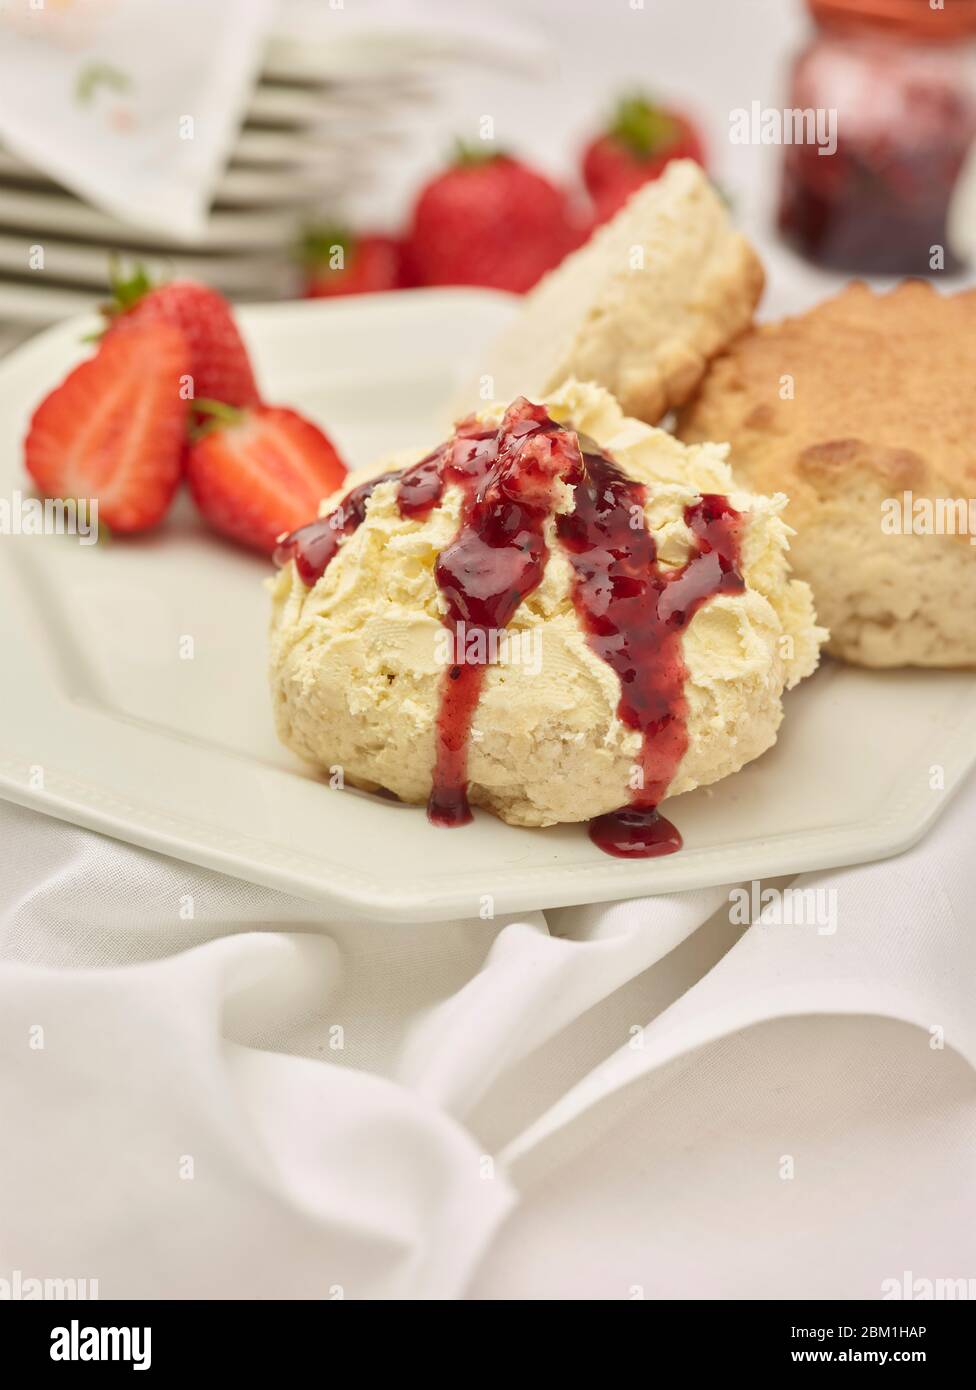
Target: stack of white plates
(315, 130)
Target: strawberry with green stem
(639, 143)
(219, 363)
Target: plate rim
(260, 860)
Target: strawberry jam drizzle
(315, 546)
(634, 614)
(497, 559)
(633, 611)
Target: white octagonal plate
(105, 725)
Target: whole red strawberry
(488, 220)
(260, 472)
(339, 262)
(115, 428)
(219, 363)
(641, 140)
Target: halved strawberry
(261, 472)
(219, 364)
(114, 428)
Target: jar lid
(953, 19)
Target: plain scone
(640, 309)
(356, 681)
(884, 404)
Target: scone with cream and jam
(559, 614)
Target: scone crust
(866, 397)
(642, 308)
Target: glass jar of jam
(893, 82)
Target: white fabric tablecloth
(640, 1100)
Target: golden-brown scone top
(640, 309)
(862, 399)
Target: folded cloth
(208, 1093)
(132, 104)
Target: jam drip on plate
(633, 610)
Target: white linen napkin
(131, 104)
(639, 1100)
